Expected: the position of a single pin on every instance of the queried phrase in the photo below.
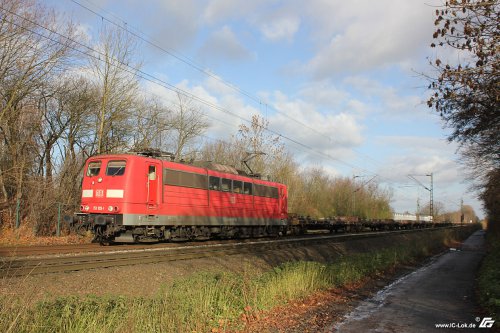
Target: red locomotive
(147, 198)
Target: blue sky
(347, 69)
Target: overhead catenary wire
(172, 53)
(151, 78)
(155, 80)
(91, 52)
(199, 68)
(192, 63)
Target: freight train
(147, 197)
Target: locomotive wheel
(81, 230)
(99, 237)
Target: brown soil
(24, 237)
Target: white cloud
(327, 134)
(223, 10)
(392, 99)
(173, 24)
(321, 136)
(217, 85)
(276, 21)
(420, 156)
(359, 35)
(223, 44)
(281, 28)
(325, 95)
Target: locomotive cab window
(225, 185)
(152, 172)
(115, 168)
(94, 168)
(214, 183)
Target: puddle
(367, 307)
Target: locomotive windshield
(94, 168)
(115, 168)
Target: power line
(148, 77)
(190, 62)
(173, 54)
(91, 52)
(197, 67)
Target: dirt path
(439, 293)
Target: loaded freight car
(146, 197)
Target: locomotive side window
(247, 188)
(94, 168)
(266, 191)
(115, 168)
(184, 179)
(214, 183)
(259, 190)
(225, 185)
(237, 186)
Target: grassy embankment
(210, 302)
(489, 277)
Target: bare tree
(466, 91)
(33, 50)
(113, 71)
(491, 197)
(78, 101)
(152, 121)
(187, 124)
(322, 195)
(467, 213)
(222, 152)
(65, 110)
(270, 159)
(257, 139)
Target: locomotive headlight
(110, 208)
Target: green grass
(206, 301)
(489, 278)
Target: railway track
(130, 255)
(24, 251)
(42, 250)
